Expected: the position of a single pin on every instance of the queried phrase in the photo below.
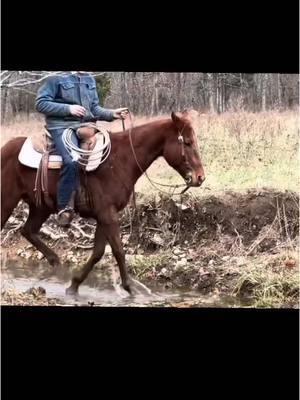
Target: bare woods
(152, 93)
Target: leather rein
(153, 183)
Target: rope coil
(95, 157)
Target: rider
(66, 100)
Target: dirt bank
(239, 244)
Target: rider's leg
(68, 177)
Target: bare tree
(264, 78)
(152, 93)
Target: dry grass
(33, 297)
(21, 126)
(239, 150)
(271, 281)
(244, 150)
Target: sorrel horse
(110, 185)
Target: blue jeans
(69, 172)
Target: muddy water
(96, 291)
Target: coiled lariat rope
(93, 157)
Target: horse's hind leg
(10, 197)
(30, 231)
(97, 254)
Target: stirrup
(65, 216)
(66, 209)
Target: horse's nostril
(201, 179)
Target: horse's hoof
(55, 263)
(128, 289)
(121, 292)
(71, 291)
(57, 267)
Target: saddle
(38, 152)
(44, 143)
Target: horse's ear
(176, 119)
(189, 114)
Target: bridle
(181, 141)
(153, 183)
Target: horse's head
(181, 150)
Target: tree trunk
(220, 86)
(210, 78)
(156, 96)
(223, 95)
(179, 85)
(154, 101)
(279, 92)
(3, 104)
(124, 91)
(263, 92)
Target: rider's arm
(45, 101)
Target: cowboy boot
(65, 216)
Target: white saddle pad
(31, 158)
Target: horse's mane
(140, 127)
(140, 123)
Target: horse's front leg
(112, 233)
(99, 248)
(111, 229)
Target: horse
(110, 186)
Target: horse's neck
(148, 143)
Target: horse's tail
(10, 190)
(11, 150)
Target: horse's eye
(188, 144)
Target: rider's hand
(78, 111)
(120, 113)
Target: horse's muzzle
(201, 179)
(194, 182)
(189, 180)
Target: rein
(153, 183)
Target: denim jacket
(59, 92)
